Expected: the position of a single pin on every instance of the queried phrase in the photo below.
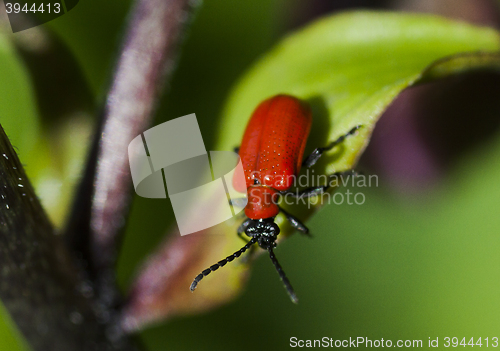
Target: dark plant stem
(146, 61)
(57, 304)
(39, 284)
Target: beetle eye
(251, 229)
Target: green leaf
(19, 118)
(355, 64)
(350, 67)
(12, 339)
(18, 114)
(51, 145)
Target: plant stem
(39, 283)
(146, 61)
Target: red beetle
(271, 153)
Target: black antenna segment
(282, 274)
(222, 263)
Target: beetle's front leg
(238, 204)
(240, 231)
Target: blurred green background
(419, 259)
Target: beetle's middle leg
(311, 160)
(295, 222)
(318, 190)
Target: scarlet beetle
(271, 153)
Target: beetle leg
(238, 202)
(316, 154)
(237, 150)
(309, 192)
(243, 226)
(241, 230)
(296, 223)
(318, 190)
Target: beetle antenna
(221, 263)
(283, 277)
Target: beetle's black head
(264, 230)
